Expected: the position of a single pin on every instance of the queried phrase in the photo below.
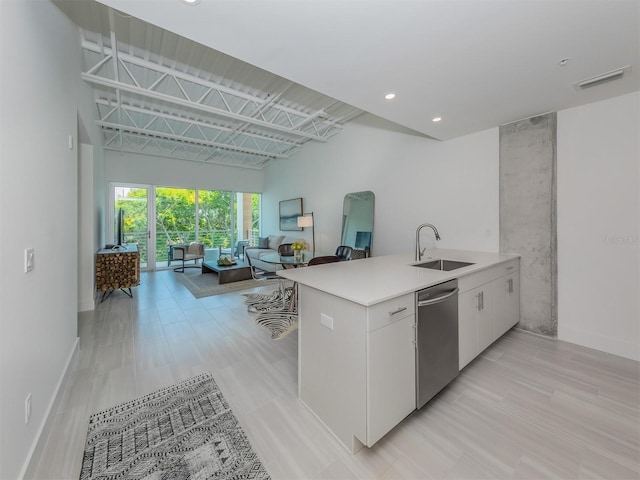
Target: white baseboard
(87, 304)
(597, 341)
(37, 447)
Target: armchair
(194, 251)
(238, 250)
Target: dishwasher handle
(442, 298)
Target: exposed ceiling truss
(151, 104)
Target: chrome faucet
(419, 252)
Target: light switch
(326, 320)
(29, 260)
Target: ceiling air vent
(603, 78)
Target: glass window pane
(175, 218)
(133, 202)
(214, 218)
(248, 217)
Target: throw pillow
(263, 242)
(275, 241)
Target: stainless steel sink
(444, 265)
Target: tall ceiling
(158, 93)
(475, 63)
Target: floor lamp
(307, 221)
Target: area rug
(206, 285)
(186, 431)
(279, 323)
(275, 311)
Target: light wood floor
(529, 407)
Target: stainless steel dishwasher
(436, 339)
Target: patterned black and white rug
(185, 431)
(275, 310)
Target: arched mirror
(357, 222)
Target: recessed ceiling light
(390, 96)
(191, 2)
(436, 119)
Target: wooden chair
(285, 249)
(344, 252)
(324, 259)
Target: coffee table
(232, 273)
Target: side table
(117, 268)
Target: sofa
(268, 245)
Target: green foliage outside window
(176, 219)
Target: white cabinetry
(357, 354)
(356, 367)
(488, 306)
(475, 322)
(391, 366)
(507, 304)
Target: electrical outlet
(27, 409)
(326, 320)
(29, 260)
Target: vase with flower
(297, 248)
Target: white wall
(91, 197)
(133, 168)
(598, 225)
(86, 234)
(452, 184)
(39, 65)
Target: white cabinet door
(467, 327)
(391, 372)
(476, 313)
(486, 314)
(507, 303)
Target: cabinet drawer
(390, 311)
(473, 280)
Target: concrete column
(528, 216)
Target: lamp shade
(305, 221)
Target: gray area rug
(186, 431)
(206, 285)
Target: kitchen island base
(357, 333)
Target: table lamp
(306, 220)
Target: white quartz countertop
(373, 280)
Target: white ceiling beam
(114, 55)
(90, 46)
(257, 165)
(105, 82)
(154, 114)
(190, 140)
(123, 57)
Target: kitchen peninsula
(357, 332)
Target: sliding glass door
(134, 201)
(157, 217)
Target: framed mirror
(357, 222)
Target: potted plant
(226, 261)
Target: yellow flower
(298, 246)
